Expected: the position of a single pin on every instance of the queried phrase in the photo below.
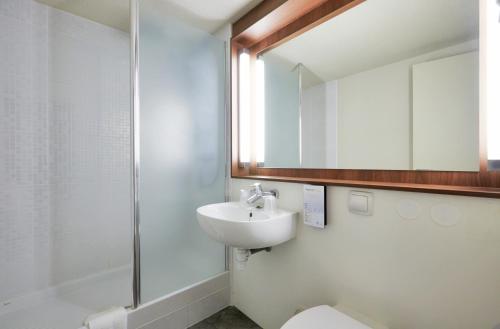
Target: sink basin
(238, 226)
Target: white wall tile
(64, 148)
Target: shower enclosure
(101, 173)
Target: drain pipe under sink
(241, 256)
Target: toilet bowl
(323, 317)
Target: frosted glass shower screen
(181, 88)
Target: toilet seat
(323, 317)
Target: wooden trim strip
(315, 17)
(267, 21)
(484, 192)
(256, 14)
(473, 179)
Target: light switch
(361, 203)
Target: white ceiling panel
(207, 15)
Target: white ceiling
(379, 32)
(206, 15)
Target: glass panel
(182, 150)
(282, 124)
(65, 222)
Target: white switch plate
(361, 203)
(315, 205)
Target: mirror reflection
(389, 85)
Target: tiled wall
(64, 147)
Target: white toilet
(323, 317)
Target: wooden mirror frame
(274, 22)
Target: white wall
(401, 273)
(366, 119)
(446, 113)
(64, 148)
(373, 112)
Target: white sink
(242, 227)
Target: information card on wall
(315, 205)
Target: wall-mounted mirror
(388, 84)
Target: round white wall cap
(445, 215)
(408, 209)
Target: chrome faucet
(257, 194)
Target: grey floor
(228, 318)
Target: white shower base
(67, 305)
(185, 307)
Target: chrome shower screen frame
(135, 149)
